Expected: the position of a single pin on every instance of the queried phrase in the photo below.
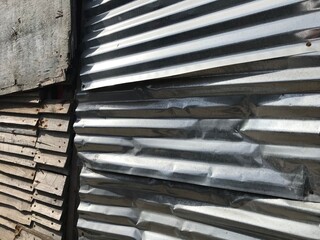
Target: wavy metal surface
(222, 137)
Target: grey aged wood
(34, 43)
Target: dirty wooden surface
(34, 154)
(34, 40)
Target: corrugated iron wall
(35, 140)
(223, 143)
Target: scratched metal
(199, 120)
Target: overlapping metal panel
(218, 128)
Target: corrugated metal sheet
(224, 135)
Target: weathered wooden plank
(61, 171)
(48, 198)
(59, 124)
(50, 182)
(24, 130)
(19, 108)
(57, 142)
(15, 215)
(50, 223)
(36, 46)
(24, 235)
(19, 171)
(22, 184)
(29, 141)
(17, 193)
(18, 160)
(6, 234)
(20, 99)
(56, 160)
(25, 151)
(49, 211)
(16, 203)
(47, 232)
(58, 108)
(28, 121)
(7, 223)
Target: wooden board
(45, 231)
(20, 99)
(6, 234)
(29, 141)
(50, 223)
(48, 198)
(46, 210)
(22, 184)
(24, 235)
(14, 202)
(58, 108)
(50, 123)
(35, 43)
(24, 130)
(18, 171)
(25, 151)
(57, 142)
(15, 215)
(27, 121)
(47, 158)
(17, 193)
(17, 160)
(18, 108)
(7, 223)
(50, 182)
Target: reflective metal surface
(221, 136)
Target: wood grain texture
(50, 123)
(47, 158)
(29, 141)
(49, 211)
(15, 203)
(55, 107)
(15, 215)
(17, 193)
(15, 182)
(57, 142)
(14, 149)
(10, 119)
(48, 198)
(47, 232)
(34, 39)
(17, 160)
(19, 171)
(50, 223)
(50, 182)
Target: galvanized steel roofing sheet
(221, 135)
